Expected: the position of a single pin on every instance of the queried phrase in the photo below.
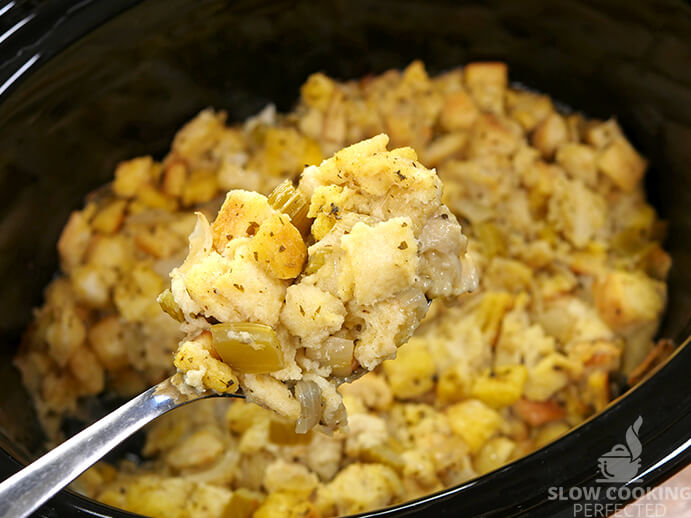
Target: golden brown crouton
(622, 164)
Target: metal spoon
(25, 491)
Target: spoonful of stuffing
(283, 298)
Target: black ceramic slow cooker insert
(85, 85)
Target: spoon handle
(25, 491)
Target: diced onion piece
(414, 305)
(339, 352)
(283, 432)
(310, 399)
(248, 347)
(289, 201)
(168, 304)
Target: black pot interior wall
(124, 88)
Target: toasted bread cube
(334, 124)
(486, 73)
(411, 374)
(550, 375)
(107, 341)
(474, 421)
(285, 153)
(241, 215)
(65, 334)
(158, 242)
(600, 134)
(87, 370)
(371, 389)
(278, 247)
(291, 477)
(578, 212)
(458, 112)
(494, 454)
(200, 448)
(242, 504)
(625, 299)
(444, 147)
(579, 161)
(174, 178)
(135, 296)
(500, 387)
(74, 240)
(132, 175)
(487, 84)
(109, 218)
(656, 262)
(360, 487)
(528, 109)
(92, 285)
(201, 187)
(454, 383)
(317, 91)
(622, 164)
(148, 196)
(494, 136)
(199, 135)
(550, 134)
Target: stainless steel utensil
(24, 492)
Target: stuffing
(411, 374)
(576, 211)
(290, 477)
(359, 487)
(246, 268)
(559, 247)
(622, 164)
(625, 300)
(474, 422)
(549, 135)
(487, 83)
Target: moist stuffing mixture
(293, 319)
(571, 291)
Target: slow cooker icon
(622, 462)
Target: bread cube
(379, 260)
(487, 83)
(132, 175)
(411, 374)
(628, 299)
(501, 386)
(474, 421)
(622, 164)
